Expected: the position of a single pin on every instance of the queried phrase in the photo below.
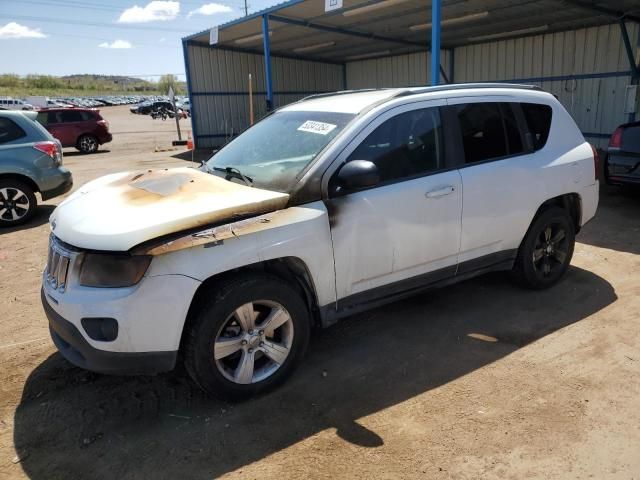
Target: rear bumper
(105, 138)
(65, 185)
(73, 346)
(622, 168)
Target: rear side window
(631, 139)
(43, 118)
(71, 116)
(538, 119)
(489, 131)
(482, 131)
(10, 131)
(86, 116)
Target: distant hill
(82, 84)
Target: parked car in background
(146, 108)
(15, 104)
(622, 158)
(81, 128)
(186, 106)
(329, 206)
(30, 162)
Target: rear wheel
(87, 144)
(248, 338)
(546, 251)
(17, 203)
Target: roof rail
(339, 92)
(466, 86)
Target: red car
(82, 128)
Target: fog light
(101, 329)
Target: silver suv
(30, 162)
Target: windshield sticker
(316, 127)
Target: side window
(86, 116)
(71, 116)
(43, 118)
(512, 130)
(538, 119)
(10, 131)
(482, 131)
(406, 145)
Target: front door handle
(440, 192)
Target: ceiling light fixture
(451, 21)
(250, 39)
(311, 48)
(371, 7)
(512, 33)
(368, 55)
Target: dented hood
(120, 211)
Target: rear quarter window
(538, 119)
(10, 131)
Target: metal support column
(435, 42)
(267, 60)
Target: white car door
(500, 195)
(405, 231)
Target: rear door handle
(440, 192)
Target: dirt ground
(478, 380)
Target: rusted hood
(120, 211)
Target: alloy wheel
(14, 204)
(254, 342)
(550, 250)
(88, 144)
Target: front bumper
(73, 346)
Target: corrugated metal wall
(586, 69)
(219, 82)
(397, 71)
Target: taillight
(104, 123)
(616, 139)
(596, 162)
(50, 148)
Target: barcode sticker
(316, 127)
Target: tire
(17, 203)
(223, 338)
(87, 144)
(545, 253)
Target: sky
(111, 37)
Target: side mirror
(358, 174)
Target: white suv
(329, 206)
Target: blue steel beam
(344, 31)
(435, 42)
(267, 60)
(193, 107)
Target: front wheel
(248, 338)
(545, 253)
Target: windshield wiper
(233, 172)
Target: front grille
(57, 266)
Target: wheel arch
(21, 178)
(572, 202)
(292, 270)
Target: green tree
(167, 81)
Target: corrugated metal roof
(374, 28)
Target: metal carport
(584, 52)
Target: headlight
(111, 271)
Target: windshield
(276, 150)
